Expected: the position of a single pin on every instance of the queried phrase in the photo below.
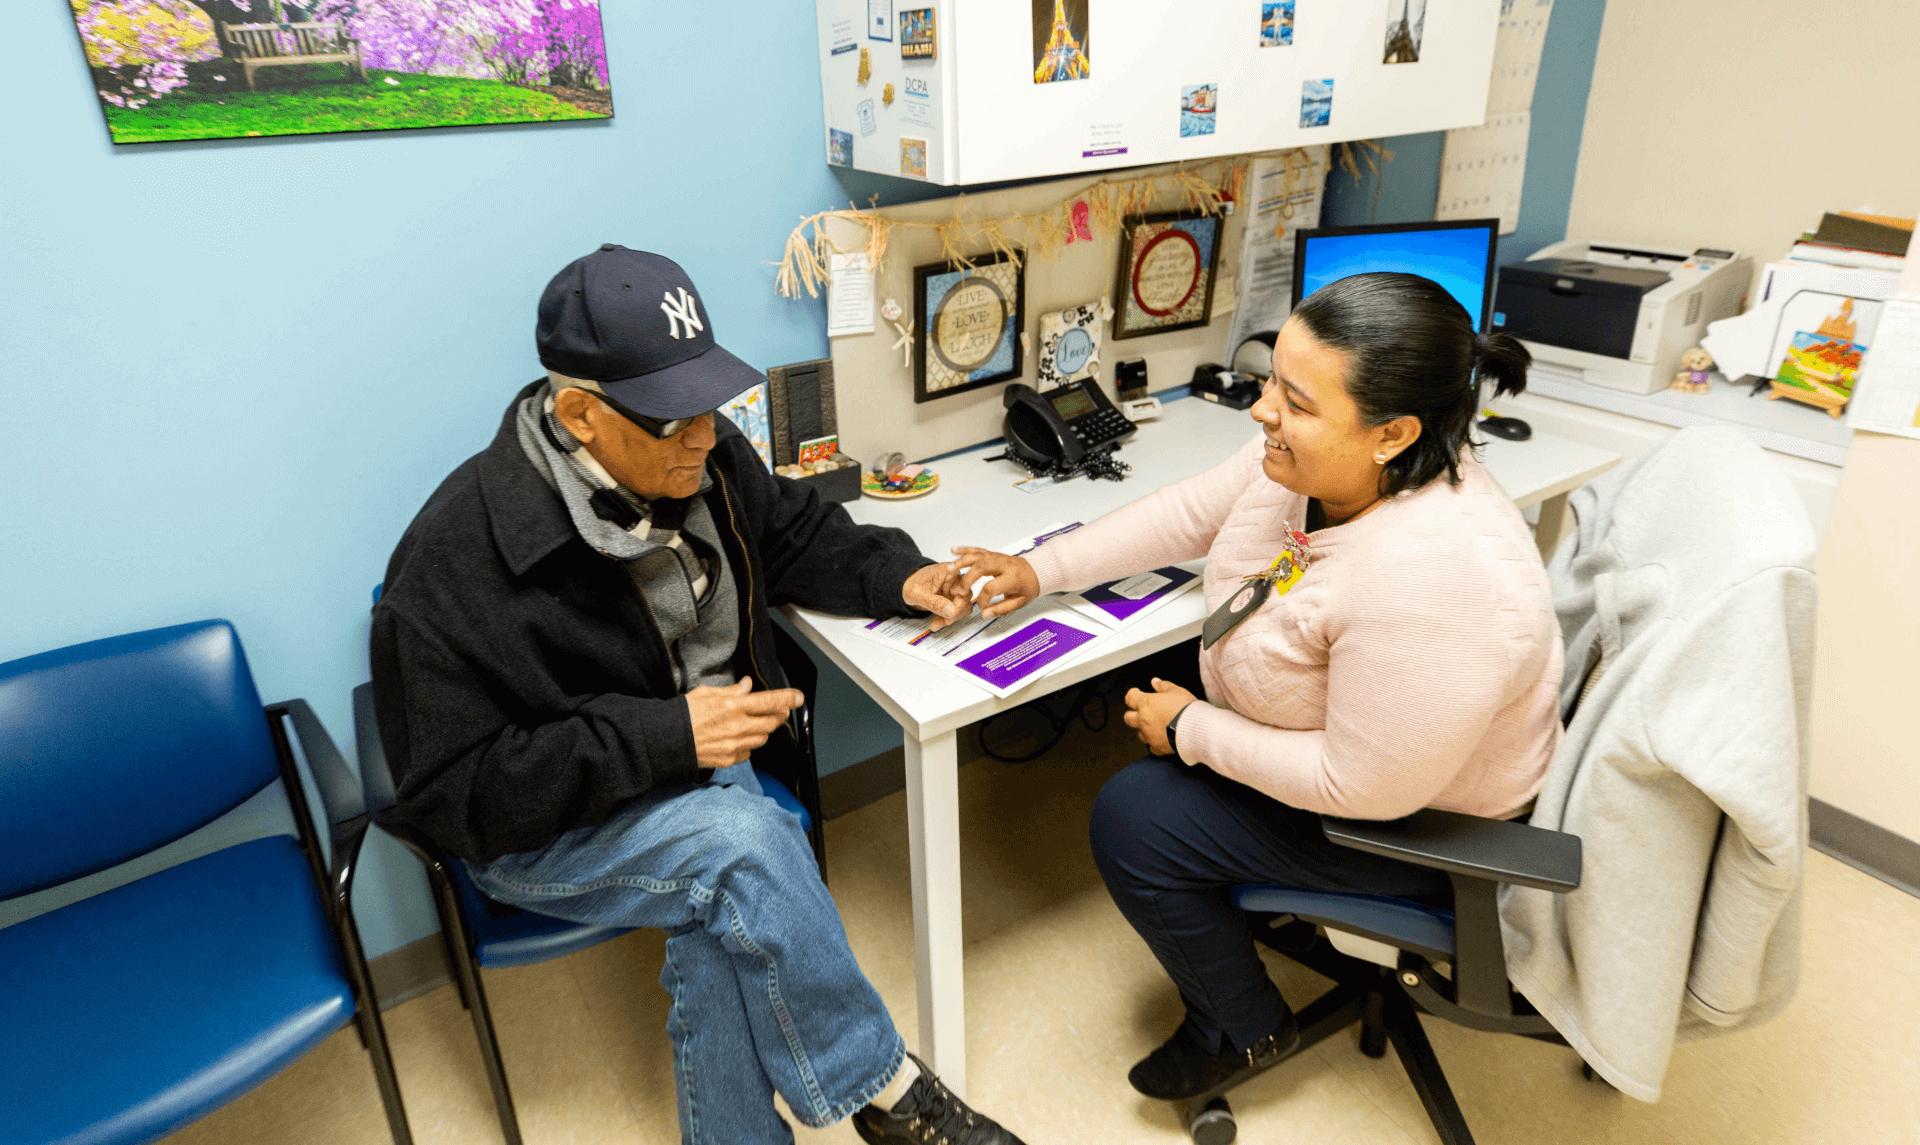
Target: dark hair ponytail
(1412, 352)
(1503, 360)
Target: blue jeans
(766, 994)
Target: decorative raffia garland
(1206, 188)
(1354, 154)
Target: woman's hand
(1149, 713)
(1014, 580)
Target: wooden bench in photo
(256, 46)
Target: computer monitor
(1458, 255)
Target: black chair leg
(1328, 1014)
(452, 927)
(373, 1033)
(1373, 1024)
(466, 974)
(1423, 1069)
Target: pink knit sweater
(1416, 664)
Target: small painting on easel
(1819, 368)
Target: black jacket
(522, 688)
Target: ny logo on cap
(682, 312)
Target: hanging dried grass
(1354, 154)
(1207, 188)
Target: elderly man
(572, 661)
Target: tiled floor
(1062, 998)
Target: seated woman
(1382, 640)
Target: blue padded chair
(492, 934)
(128, 1014)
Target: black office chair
(1383, 953)
(483, 933)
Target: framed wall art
(972, 317)
(1069, 347)
(169, 70)
(1166, 270)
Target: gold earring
(1379, 459)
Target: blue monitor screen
(1455, 258)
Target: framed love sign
(972, 317)
(1069, 347)
(1165, 280)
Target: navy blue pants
(1172, 840)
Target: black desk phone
(1063, 425)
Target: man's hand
(1149, 713)
(937, 589)
(1014, 580)
(728, 723)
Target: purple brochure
(1125, 603)
(1042, 538)
(1016, 659)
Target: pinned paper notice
(1886, 399)
(849, 295)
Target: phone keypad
(1100, 426)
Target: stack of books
(1845, 238)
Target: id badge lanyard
(1278, 577)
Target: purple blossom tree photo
(176, 69)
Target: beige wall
(1735, 123)
(1866, 698)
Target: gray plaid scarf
(672, 553)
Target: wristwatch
(1173, 745)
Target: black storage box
(842, 484)
(1576, 304)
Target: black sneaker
(1182, 1068)
(930, 1114)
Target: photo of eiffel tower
(1058, 53)
(1404, 31)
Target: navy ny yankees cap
(632, 322)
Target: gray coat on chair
(1688, 590)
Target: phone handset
(1064, 426)
(1035, 430)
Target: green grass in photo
(313, 99)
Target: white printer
(1615, 314)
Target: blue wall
(232, 371)
(1409, 185)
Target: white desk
(977, 504)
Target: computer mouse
(1511, 428)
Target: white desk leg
(1552, 527)
(933, 839)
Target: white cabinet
(1143, 81)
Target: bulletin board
(877, 407)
